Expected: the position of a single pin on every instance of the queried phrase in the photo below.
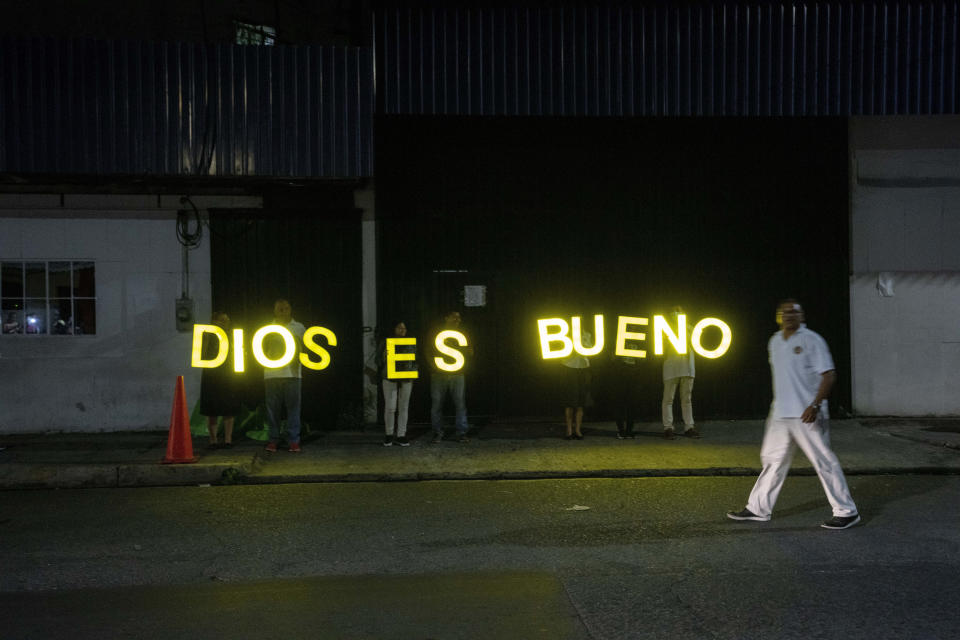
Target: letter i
(238, 350)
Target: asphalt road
(647, 558)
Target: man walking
(282, 385)
(803, 375)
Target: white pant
(396, 402)
(686, 400)
(780, 439)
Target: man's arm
(827, 379)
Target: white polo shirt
(797, 365)
(292, 370)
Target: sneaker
(402, 441)
(629, 436)
(463, 438)
(746, 514)
(841, 522)
(620, 435)
(437, 437)
(271, 447)
(692, 433)
(387, 441)
(669, 434)
(295, 448)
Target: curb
(20, 475)
(30, 476)
(711, 472)
(933, 443)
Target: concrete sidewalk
(497, 450)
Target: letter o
(725, 337)
(289, 349)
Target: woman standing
(576, 388)
(218, 393)
(396, 392)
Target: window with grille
(255, 33)
(48, 298)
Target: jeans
(440, 385)
(280, 392)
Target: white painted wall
(123, 377)
(905, 226)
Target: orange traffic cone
(179, 444)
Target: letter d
(197, 358)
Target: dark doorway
(616, 216)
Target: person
(453, 383)
(678, 373)
(218, 394)
(624, 385)
(282, 384)
(396, 393)
(803, 375)
(576, 387)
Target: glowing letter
(559, 336)
(623, 335)
(197, 359)
(457, 363)
(309, 343)
(238, 350)
(598, 331)
(289, 350)
(661, 327)
(393, 357)
(724, 339)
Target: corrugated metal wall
(732, 58)
(97, 107)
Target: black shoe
(629, 436)
(387, 441)
(692, 433)
(841, 522)
(669, 434)
(620, 435)
(437, 437)
(746, 514)
(402, 441)
(463, 438)
(569, 436)
(578, 436)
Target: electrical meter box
(185, 315)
